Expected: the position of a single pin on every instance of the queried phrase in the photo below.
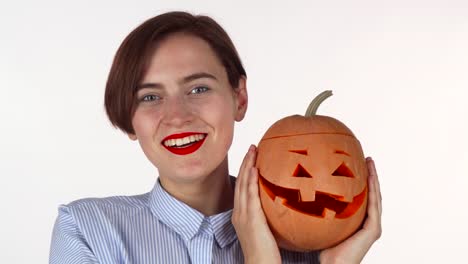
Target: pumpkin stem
(312, 109)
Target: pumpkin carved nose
(301, 172)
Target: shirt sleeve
(68, 245)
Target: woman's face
(184, 120)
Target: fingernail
(252, 147)
(369, 159)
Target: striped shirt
(150, 228)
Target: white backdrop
(399, 72)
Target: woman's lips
(184, 143)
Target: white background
(399, 72)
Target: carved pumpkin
(312, 180)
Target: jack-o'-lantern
(312, 180)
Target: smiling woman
(135, 54)
(192, 95)
(177, 86)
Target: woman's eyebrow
(186, 79)
(149, 85)
(198, 75)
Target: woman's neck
(211, 195)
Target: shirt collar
(186, 221)
(223, 229)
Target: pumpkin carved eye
(342, 152)
(343, 171)
(300, 151)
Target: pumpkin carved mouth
(292, 199)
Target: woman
(177, 86)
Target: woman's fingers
(241, 176)
(257, 242)
(376, 184)
(242, 183)
(253, 195)
(374, 210)
(354, 248)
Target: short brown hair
(133, 54)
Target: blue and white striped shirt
(150, 228)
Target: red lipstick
(184, 150)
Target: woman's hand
(255, 237)
(353, 249)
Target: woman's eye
(199, 89)
(149, 98)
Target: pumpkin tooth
(347, 198)
(307, 193)
(279, 199)
(328, 214)
(280, 205)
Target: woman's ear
(132, 136)
(242, 99)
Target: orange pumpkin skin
(312, 182)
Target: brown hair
(133, 54)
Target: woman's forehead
(182, 55)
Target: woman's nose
(177, 112)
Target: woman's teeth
(183, 141)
